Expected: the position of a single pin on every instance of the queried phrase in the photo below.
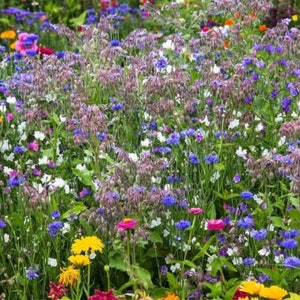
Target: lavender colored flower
(183, 224)
(32, 273)
(291, 262)
(194, 159)
(211, 159)
(249, 261)
(163, 150)
(259, 234)
(117, 106)
(246, 195)
(236, 178)
(246, 222)
(169, 200)
(289, 244)
(285, 104)
(161, 63)
(263, 278)
(163, 270)
(54, 227)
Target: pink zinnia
(26, 42)
(100, 295)
(215, 224)
(127, 223)
(33, 146)
(195, 210)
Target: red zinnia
(56, 291)
(44, 50)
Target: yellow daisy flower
(251, 287)
(69, 276)
(8, 35)
(88, 243)
(273, 292)
(79, 260)
(295, 18)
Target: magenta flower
(26, 42)
(215, 224)
(100, 295)
(33, 146)
(126, 224)
(195, 210)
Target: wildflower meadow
(150, 150)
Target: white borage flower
(2, 107)
(6, 238)
(46, 178)
(278, 258)
(43, 160)
(21, 128)
(259, 127)
(11, 100)
(146, 143)
(92, 255)
(9, 157)
(175, 267)
(241, 152)
(237, 261)
(52, 262)
(258, 200)
(168, 45)
(265, 251)
(133, 157)
(234, 123)
(155, 222)
(39, 135)
(4, 146)
(66, 228)
(215, 69)
(166, 233)
(59, 182)
(7, 170)
(161, 137)
(215, 177)
(81, 167)
(282, 141)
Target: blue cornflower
(285, 104)
(54, 227)
(15, 181)
(249, 261)
(153, 125)
(182, 203)
(161, 63)
(115, 43)
(173, 178)
(292, 233)
(259, 234)
(60, 54)
(19, 149)
(289, 244)
(30, 52)
(117, 106)
(169, 200)
(211, 159)
(183, 224)
(173, 139)
(32, 273)
(274, 93)
(124, 9)
(243, 207)
(100, 210)
(291, 262)
(247, 61)
(2, 224)
(194, 159)
(163, 150)
(247, 195)
(246, 222)
(101, 136)
(55, 214)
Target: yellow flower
(1, 119)
(79, 260)
(273, 292)
(13, 46)
(8, 35)
(251, 287)
(295, 18)
(88, 243)
(170, 296)
(69, 276)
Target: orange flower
(252, 16)
(226, 44)
(170, 296)
(8, 35)
(237, 15)
(262, 28)
(229, 22)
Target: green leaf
(5, 21)
(204, 249)
(293, 296)
(278, 222)
(159, 293)
(155, 238)
(174, 284)
(85, 176)
(79, 20)
(144, 277)
(77, 209)
(117, 261)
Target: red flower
(44, 50)
(239, 294)
(99, 295)
(56, 291)
(216, 224)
